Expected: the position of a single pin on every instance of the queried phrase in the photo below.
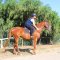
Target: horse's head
(47, 25)
(44, 24)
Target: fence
(3, 39)
(1, 44)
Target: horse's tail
(7, 41)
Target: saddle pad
(26, 30)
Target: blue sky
(54, 4)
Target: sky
(54, 4)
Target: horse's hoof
(4, 51)
(15, 53)
(34, 53)
(18, 53)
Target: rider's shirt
(33, 21)
(30, 22)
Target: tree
(15, 12)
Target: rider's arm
(34, 24)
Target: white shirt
(33, 21)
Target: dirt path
(44, 52)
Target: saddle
(26, 30)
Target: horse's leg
(34, 44)
(16, 49)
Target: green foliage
(13, 13)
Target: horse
(18, 32)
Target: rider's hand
(37, 28)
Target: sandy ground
(44, 52)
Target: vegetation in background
(15, 12)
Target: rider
(30, 24)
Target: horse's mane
(41, 23)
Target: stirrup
(31, 36)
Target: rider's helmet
(33, 15)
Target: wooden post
(22, 42)
(1, 43)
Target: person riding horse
(35, 31)
(30, 24)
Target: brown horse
(18, 32)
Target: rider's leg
(32, 29)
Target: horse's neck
(40, 26)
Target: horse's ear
(46, 20)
